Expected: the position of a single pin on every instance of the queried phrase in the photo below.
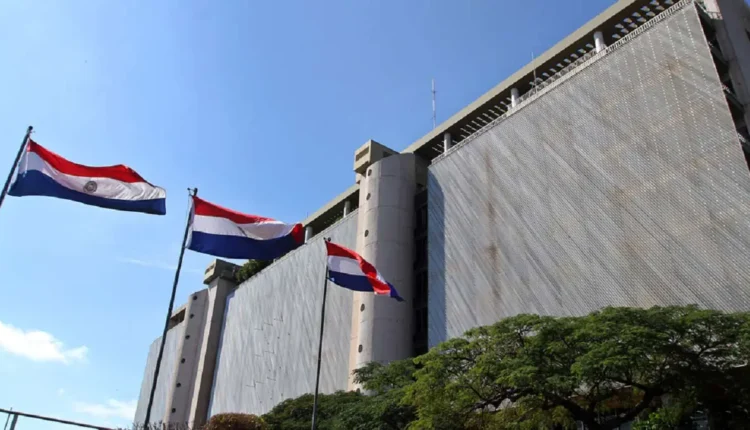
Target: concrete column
(599, 41)
(347, 207)
(181, 389)
(220, 280)
(186, 376)
(382, 327)
(308, 233)
(513, 97)
(447, 142)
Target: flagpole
(193, 192)
(320, 346)
(15, 163)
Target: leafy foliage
(604, 369)
(661, 367)
(250, 269)
(384, 409)
(353, 410)
(295, 414)
(235, 422)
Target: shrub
(235, 422)
(250, 269)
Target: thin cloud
(146, 263)
(38, 346)
(110, 409)
(154, 264)
(61, 392)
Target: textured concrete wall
(269, 345)
(385, 238)
(166, 375)
(625, 185)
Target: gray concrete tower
(382, 327)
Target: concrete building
(612, 170)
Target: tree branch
(632, 384)
(648, 397)
(577, 411)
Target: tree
(384, 408)
(604, 369)
(296, 414)
(467, 380)
(353, 410)
(660, 366)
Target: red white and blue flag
(225, 233)
(348, 269)
(44, 173)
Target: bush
(235, 422)
(250, 269)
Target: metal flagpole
(193, 192)
(17, 414)
(8, 419)
(320, 346)
(15, 163)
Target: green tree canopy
(604, 369)
(658, 366)
(295, 414)
(353, 410)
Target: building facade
(611, 171)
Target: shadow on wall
(230, 296)
(437, 330)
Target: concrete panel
(166, 375)
(624, 185)
(269, 345)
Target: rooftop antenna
(434, 115)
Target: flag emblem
(90, 187)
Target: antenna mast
(434, 115)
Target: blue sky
(259, 104)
